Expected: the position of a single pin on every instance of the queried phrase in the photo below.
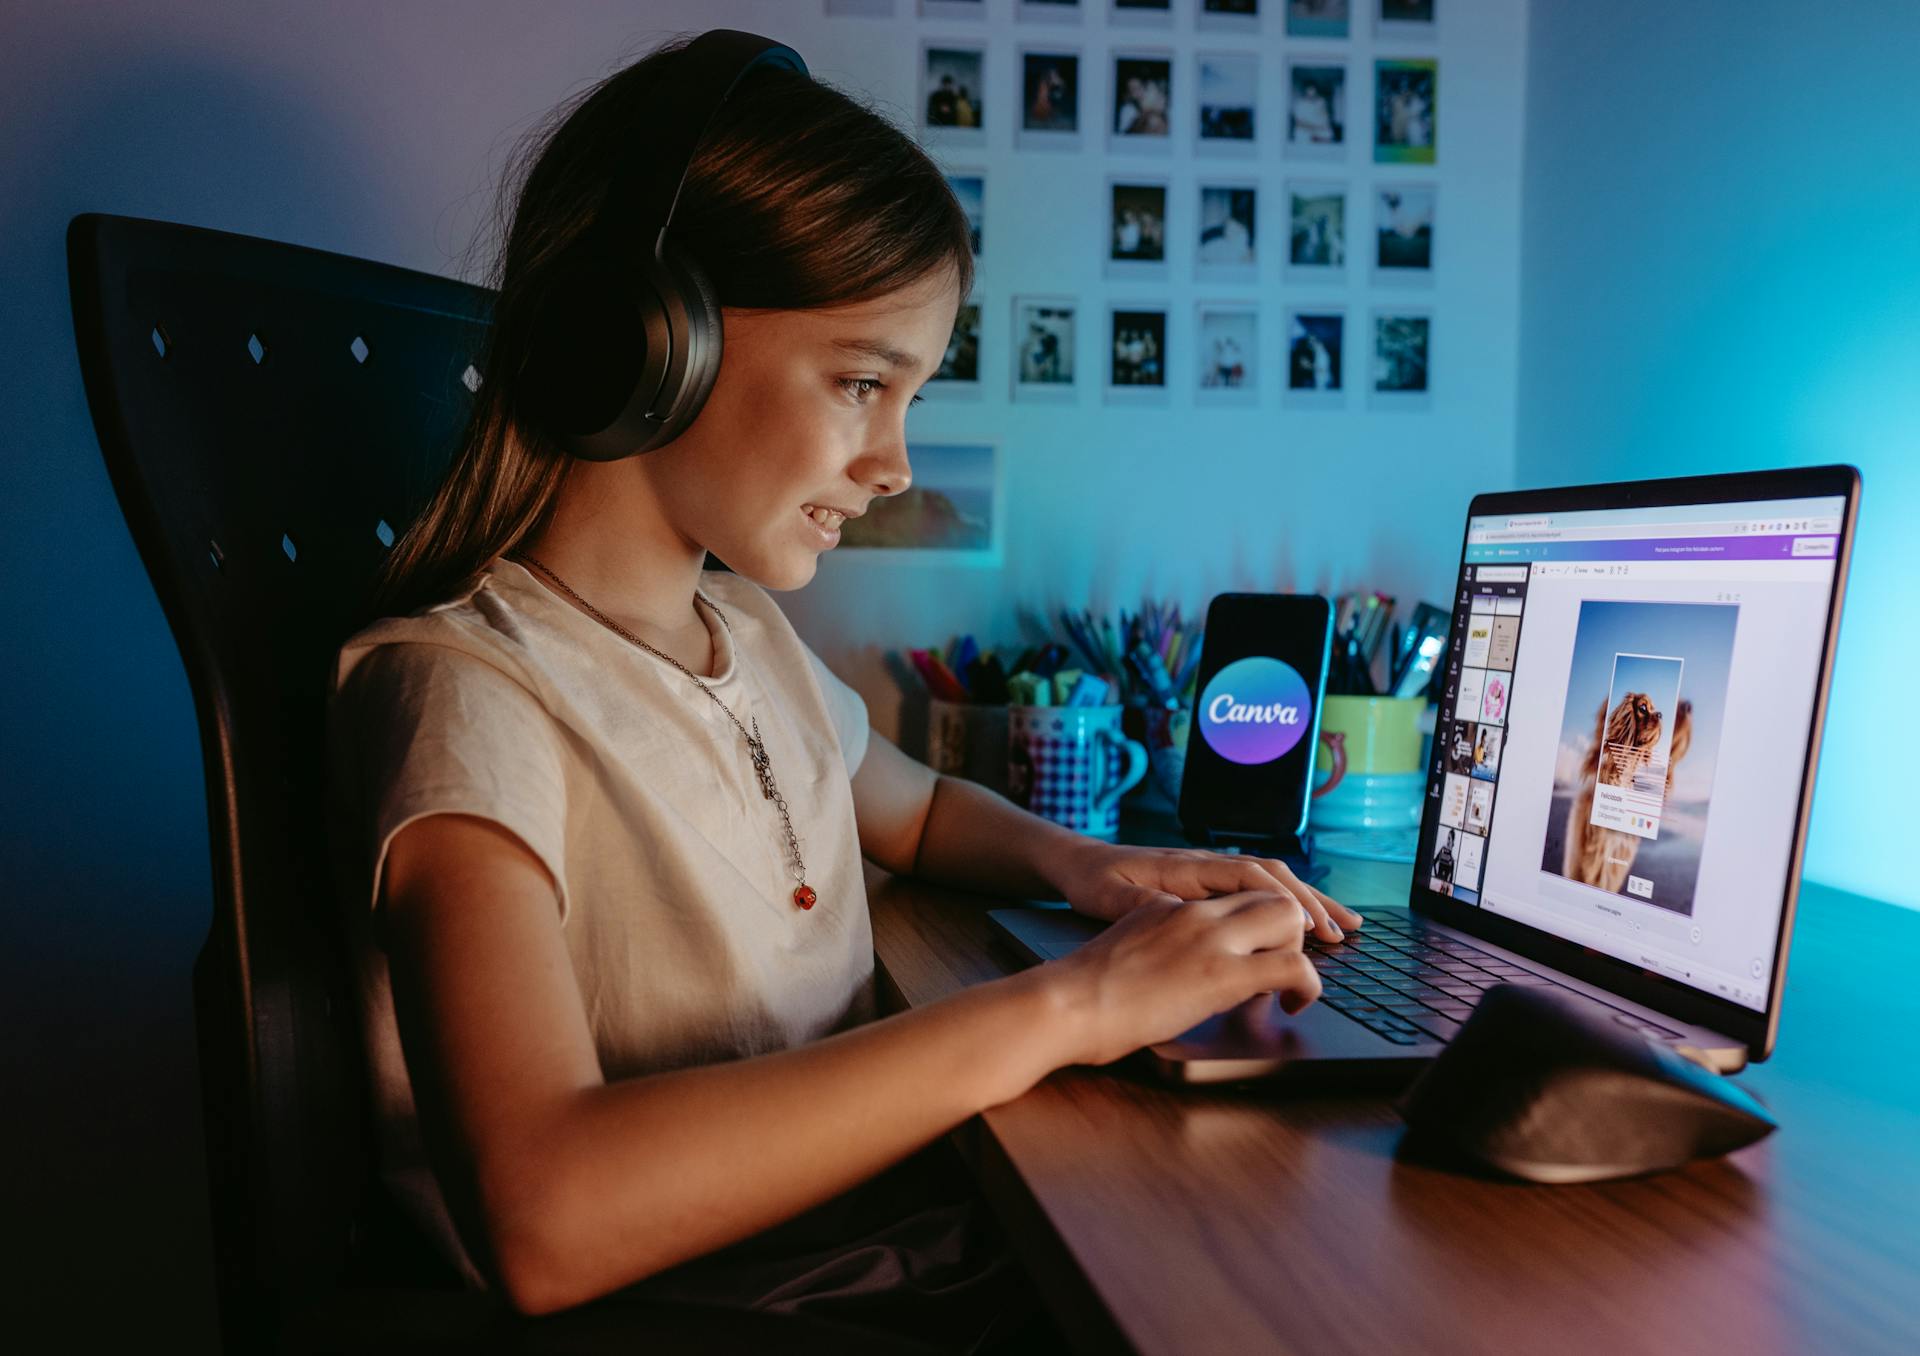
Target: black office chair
(272, 416)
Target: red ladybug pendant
(804, 896)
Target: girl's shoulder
(485, 620)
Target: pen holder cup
(1071, 764)
(1382, 781)
(968, 739)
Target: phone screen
(1256, 715)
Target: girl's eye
(854, 386)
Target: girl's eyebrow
(882, 350)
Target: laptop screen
(1619, 751)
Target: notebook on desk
(1640, 672)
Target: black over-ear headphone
(626, 343)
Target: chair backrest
(272, 417)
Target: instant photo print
(1402, 360)
(1137, 355)
(1316, 377)
(1405, 111)
(1224, 248)
(1319, 18)
(1316, 110)
(1141, 122)
(1228, 92)
(1045, 343)
(1049, 100)
(1316, 231)
(953, 94)
(1227, 354)
(1136, 231)
(1230, 16)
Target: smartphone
(1256, 719)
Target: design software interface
(1628, 702)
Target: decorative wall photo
(1316, 110)
(1044, 338)
(1225, 247)
(961, 362)
(1403, 19)
(1318, 18)
(1404, 110)
(1137, 230)
(1228, 349)
(1240, 16)
(952, 9)
(1050, 84)
(1402, 358)
(1316, 230)
(1142, 92)
(1315, 350)
(1403, 230)
(1229, 84)
(971, 190)
(1139, 348)
(950, 514)
(951, 87)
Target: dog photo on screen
(1639, 737)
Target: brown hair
(799, 196)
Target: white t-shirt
(639, 796)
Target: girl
(603, 812)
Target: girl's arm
(565, 1187)
(915, 821)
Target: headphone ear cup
(588, 344)
(699, 335)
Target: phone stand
(1296, 850)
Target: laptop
(1636, 676)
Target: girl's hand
(1169, 965)
(1103, 880)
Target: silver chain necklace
(803, 894)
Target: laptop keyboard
(1411, 985)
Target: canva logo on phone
(1255, 709)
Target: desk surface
(1182, 1220)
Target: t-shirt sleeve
(438, 730)
(848, 709)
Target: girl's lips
(825, 536)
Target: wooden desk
(1165, 1220)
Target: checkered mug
(1071, 764)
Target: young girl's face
(807, 416)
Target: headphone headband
(627, 344)
(703, 75)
